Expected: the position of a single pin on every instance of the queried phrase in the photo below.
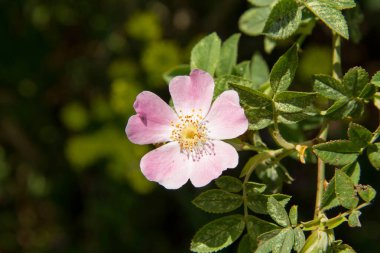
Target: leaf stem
(336, 57)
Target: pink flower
(192, 133)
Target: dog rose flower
(192, 133)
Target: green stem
(336, 57)
(321, 173)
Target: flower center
(190, 132)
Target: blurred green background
(69, 73)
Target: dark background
(69, 73)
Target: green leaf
(293, 101)
(228, 55)
(218, 234)
(277, 212)
(246, 244)
(345, 191)
(259, 70)
(354, 19)
(353, 171)
(329, 199)
(299, 239)
(339, 152)
(366, 192)
(359, 135)
(279, 240)
(335, 222)
(181, 70)
(376, 79)
(329, 87)
(344, 108)
(261, 2)
(332, 17)
(269, 44)
(252, 21)
(257, 226)
(259, 118)
(255, 188)
(354, 80)
(353, 219)
(368, 91)
(258, 202)
(222, 83)
(243, 70)
(340, 4)
(293, 215)
(273, 175)
(284, 20)
(343, 248)
(373, 153)
(205, 54)
(284, 69)
(251, 97)
(230, 184)
(218, 201)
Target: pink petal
(210, 167)
(192, 92)
(151, 124)
(166, 165)
(226, 119)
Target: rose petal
(226, 119)
(166, 165)
(210, 167)
(192, 92)
(151, 124)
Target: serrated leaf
(344, 190)
(222, 83)
(252, 21)
(291, 118)
(279, 241)
(360, 135)
(339, 152)
(332, 17)
(293, 215)
(340, 4)
(373, 153)
(259, 118)
(366, 192)
(228, 55)
(278, 212)
(230, 184)
(353, 219)
(329, 87)
(205, 54)
(354, 80)
(329, 199)
(259, 70)
(299, 239)
(344, 108)
(273, 175)
(293, 101)
(251, 97)
(218, 201)
(376, 79)
(257, 226)
(243, 70)
(218, 234)
(284, 20)
(368, 91)
(258, 202)
(284, 70)
(180, 70)
(261, 2)
(353, 171)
